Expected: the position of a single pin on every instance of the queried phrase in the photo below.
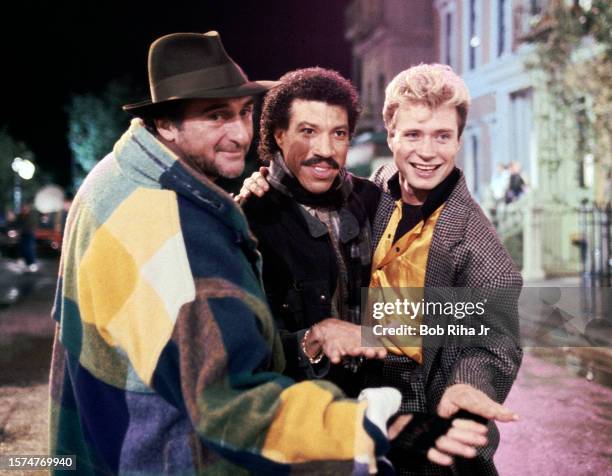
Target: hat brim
(250, 88)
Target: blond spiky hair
(432, 84)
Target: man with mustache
(313, 226)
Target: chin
(317, 187)
(232, 171)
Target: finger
(398, 425)
(438, 457)
(446, 408)
(333, 354)
(470, 425)
(375, 353)
(264, 171)
(244, 190)
(467, 437)
(262, 183)
(487, 408)
(381, 353)
(453, 447)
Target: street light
(24, 169)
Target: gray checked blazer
(465, 252)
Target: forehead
(198, 105)
(417, 115)
(317, 112)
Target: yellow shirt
(398, 271)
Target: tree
(95, 122)
(574, 52)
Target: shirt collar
(436, 197)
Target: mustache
(318, 160)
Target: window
(448, 42)
(472, 161)
(448, 31)
(502, 26)
(474, 41)
(522, 133)
(475, 167)
(471, 33)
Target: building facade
(484, 42)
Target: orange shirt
(398, 270)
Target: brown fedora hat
(193, 66)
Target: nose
(239, 132)
(323, 146)
(427, 148)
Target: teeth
(426, 168)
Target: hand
(256, 184)
(466, 397)
(461, 439)
(338, 339)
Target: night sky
(51, 50)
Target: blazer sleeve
(492, 364)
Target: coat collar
(349, 226)
(148, 162)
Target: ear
(279, 137)
(390, 135)
(166, 129)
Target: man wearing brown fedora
(166, 358)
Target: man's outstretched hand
(339, 339)
(462, 396)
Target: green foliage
(9, 149)
(574, 51)
(95, 122)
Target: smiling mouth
(426, 168)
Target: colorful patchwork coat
(166, 355)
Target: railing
(546, 239)
(594, 244)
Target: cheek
(297, 150)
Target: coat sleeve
(218, 368)
(215, 368)
(492, 364)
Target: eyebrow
(413, 129)
(314, 126)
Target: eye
(444, 136)
(247, 111)
(214, 116)
(308, 131)
(412, 135)
(341, 133)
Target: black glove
(413, 443)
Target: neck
(410, 195)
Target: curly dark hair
(311, 84)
